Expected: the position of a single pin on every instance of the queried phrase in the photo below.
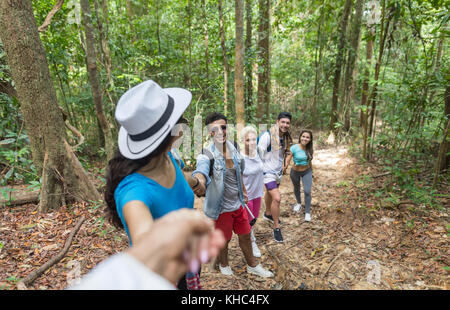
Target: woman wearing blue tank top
(302, 169)
(144, 181)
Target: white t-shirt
(122, 272)
(253, 176)
(273, 160)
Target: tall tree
(364, 114)
(103, 26)
(226, 67)
(338, 64)
(239, 63)
(248, 54)
(318, 52)
(94, 79)
(63, 177)
(384, 30)
(206, 40)
(443, 159)
(355, 31)
(189, 60)
(264, 60)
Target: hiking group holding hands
(146, 181)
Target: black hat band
(158, 125)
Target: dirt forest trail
(342, 247)
(351, 242)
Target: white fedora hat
(147, 113)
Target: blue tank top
(159, 199)
(300, 157)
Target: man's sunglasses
(216, 129)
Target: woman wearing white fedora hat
(144, 181)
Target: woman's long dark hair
(118, 168)
(309, 146)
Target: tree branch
(50, 15)
(35, 274)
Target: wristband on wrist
(196, 184)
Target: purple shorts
(271, 185)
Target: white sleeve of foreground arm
(122, 272)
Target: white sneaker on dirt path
(307, 217)
(256, 251)
(297, 208)
(226, 270)
(259, 271)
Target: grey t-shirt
(231, 200)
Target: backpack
(211, 157)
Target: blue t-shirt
(300, 157)
(159, 199)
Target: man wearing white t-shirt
(274, 144)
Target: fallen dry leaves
(345, 246)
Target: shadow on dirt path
(344, 246)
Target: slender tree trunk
(102, 22)
(206, 39)
(373, 95)
(318, 63)
(239, 63)
(352, 55)
(437, 63)
(103, 25)
(443, 160)
(365, 91)
(94, 79)
(338, 65)
(189, 14)
(249, 54)
(226, 68)
(63, 178)
(158, 37)
(264, 60)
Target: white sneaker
(259, 271)
(307, 217)
(226, 270)
(256, 251)
(297, 208)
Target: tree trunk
(352, 55)
(248, 55)
(318, 63)
(43, 119)
(264, 60)
(158, 37)
(103, 25)
(239, 63)
(373, 95)
(338, 66)
(365, 91)
(189, 74)
(206, 39)
(437, 64)
(226, 68)
(94, 79)
(443, 160)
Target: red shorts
(236, 221)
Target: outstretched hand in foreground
(178, 242)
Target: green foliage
(155, 43)
(15, 157)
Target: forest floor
(351, 243)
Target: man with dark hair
(274, 144)
(219, 174)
